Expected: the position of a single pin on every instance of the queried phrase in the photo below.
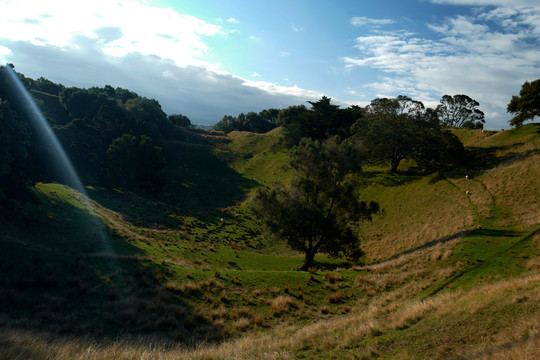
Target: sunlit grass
(448, 274)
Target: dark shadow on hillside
(60, 277)
(326, 266)
(195, 136)
(495, 233)
(387, 179)
(427, 245)
(484, 159)
(198, 183)
(445, 239)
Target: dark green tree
(295, 121)
(460, 111)
(320, 210)
(149, 117)
(227, 124)
(179, 119)
(321, 121)
(402, 105)
(23, 157)
(112, 121)
(261, 122)
(526, 106)
(124, 95)
(14, 144)
(400, 128)
(84, 145)
(268, 120)
(437, 148)
(390, 129)
(134, 162)
(48, 86)
(82, 103)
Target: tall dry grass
(384, 313)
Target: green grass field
(190, 274)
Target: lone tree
(390, 129)
(526, 106)
(179, 119)
(401, 128)
(460, 111)
(320, 209)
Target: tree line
(111, 135)
(454, 111)
(320, 210)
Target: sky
(210, 58)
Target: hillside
(503, 193)
(187, 273)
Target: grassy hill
(188, 273)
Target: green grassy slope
(449, 274)
(504, 191)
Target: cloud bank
(156, 52)
(487, 52)
(487, 55)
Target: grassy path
(480, 263)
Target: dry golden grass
(408, 274)
(242, 323)
(282, 304)
(411, 314)
(520, 341)
(515, 187)
(335, 298)
(424, 210)
(386, 312)
(192, 287)
(332, 278)
(421, 212)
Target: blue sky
(209, 58)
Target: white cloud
(255, 74)
(488, 2)
(363, 21)
(510, 13)
(275, 89)
(284, 54)
(168, 74)
(467, 55)
(4, 52)
(233, 20)
(254, 38)
(138, 27)
(201, 93)
(154, 51)
(297, 28)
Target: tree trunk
(309, 262)
(394, 163)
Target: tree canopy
(179, 119)
(526, 106)
(134, 162)
(400, 128)
(261, 122)
(319, 211)
(460, 111)
(14, 144)
(321, 121)
(87, 122)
